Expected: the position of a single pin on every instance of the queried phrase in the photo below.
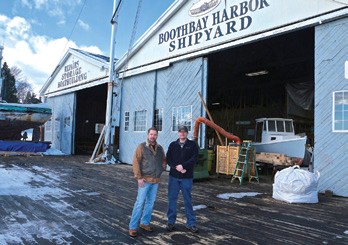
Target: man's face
(182, 135)
(152, 136)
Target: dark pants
(176, 185)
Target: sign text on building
(73, 73)
(224, 22)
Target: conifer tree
(8, 91)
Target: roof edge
(172, 10)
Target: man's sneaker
(133, 233)
(193, 228)
(170, 227)
(146, 227)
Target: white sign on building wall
(346, 70)
(201, 24)
(75, 72)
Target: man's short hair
(152, 128)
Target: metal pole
(109, 103)
(1, 48)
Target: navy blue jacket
(186, 156)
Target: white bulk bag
(294, 185)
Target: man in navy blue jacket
(181, 157)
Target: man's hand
(179, 168)
(141, 183)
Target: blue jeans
(143, 206)
(176, 185)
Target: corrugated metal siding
(137, 94)
(177, 85)
(62, 132)
(331, 149)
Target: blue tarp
(24, 146)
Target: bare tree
(22, 84)
(18, 74)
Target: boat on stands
(15, 118)
(277, 135)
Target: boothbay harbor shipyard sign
(223, 22)
(194, 27)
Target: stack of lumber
(277, 159)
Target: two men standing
(148, 163)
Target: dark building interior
(273, 77)
(90, 110)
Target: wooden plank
(210, 117)
(15, 153)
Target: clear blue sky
(35, 32)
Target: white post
(109, 103)
(1, 48)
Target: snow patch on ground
(238, 195)
(40, 185)
(18, 181)
(197, 207)
(92, 194)
(346, 232)
(53, 152)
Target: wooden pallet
(277, 159)
(15, 153)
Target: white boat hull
(290, 147)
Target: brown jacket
(139, 162)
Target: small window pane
(339, 107)
(288, 127)
(271, 126)
(158, 120)
(340, 113)
(280, 126)
(182, 116)
(126, 121)
(140, 120)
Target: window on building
(158, 119)
(182, 116)
(140, 120)
(126, 121)
(340, 111)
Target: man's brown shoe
(146, 227)
(133, 233)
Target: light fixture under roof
(256, 73)
(215, 103)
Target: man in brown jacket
(148, 164)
